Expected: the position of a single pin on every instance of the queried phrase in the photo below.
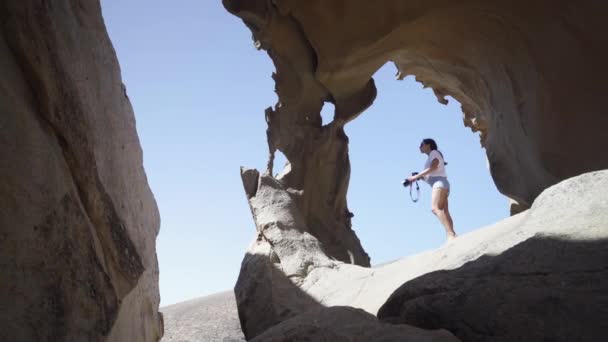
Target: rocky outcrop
(544, 289)
(211, 318)
(78, 223)
(529, 76)
(573, 210)
(552, 287)
(347, 324)
(559, 245)
(522, 278)
(280, 258)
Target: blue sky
(199, 89)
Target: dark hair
(429, 141)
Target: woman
(434, 174)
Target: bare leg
(451, 222)
(439, 205)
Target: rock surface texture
(346, 324)
(211, 318)
(551, 287)
(530, 77)
(78, 222)
(537, 276)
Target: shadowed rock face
(346, 324)
(536, 276)
(522, 295)
(78, 222)
(551, 287)
(558, 246)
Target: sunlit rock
(78, 222)
(528, 74)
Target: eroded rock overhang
(529, 76)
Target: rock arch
(528, 74)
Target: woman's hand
(412, 179)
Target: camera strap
(417, 192)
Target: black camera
(407, 183)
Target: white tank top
(440, 171)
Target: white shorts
(438, 182)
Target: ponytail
(433, 144)
(444, 162)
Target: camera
(407, 183)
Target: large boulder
(78, 222)
(346, 324)
(560, 243)
(575, 208)
(279, 258)
(551, 287)
(544, 289)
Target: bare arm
(433, 167)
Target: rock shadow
(274, 309)
(543, 289)
(267, 297)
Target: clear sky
(199, 89)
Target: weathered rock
(552, 287)
(574, 210)
(211, 318)
(345, 324)
(544, 289)
(78, 222)
(498, 59)
(280, 226)
(510, 64)
(280, 257)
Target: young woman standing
(434, 173)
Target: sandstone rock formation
(552, 287)
(278, 260)
(535, 276)
(78, 222)
(544, 289)
(278, 266)
(529, 76)
(570, 213)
